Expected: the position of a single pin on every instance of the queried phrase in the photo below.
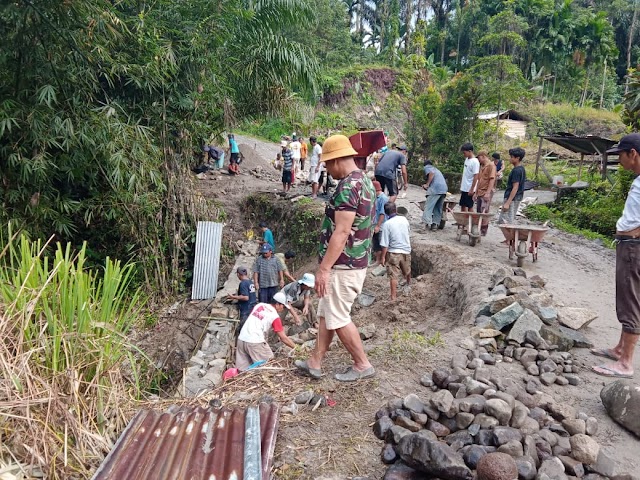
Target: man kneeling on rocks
(252, 343)
(298, 295)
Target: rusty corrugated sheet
(190, 443)
(207, 260)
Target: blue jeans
(433, 209)
(265, 294)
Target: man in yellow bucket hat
(345, 251)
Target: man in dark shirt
(386, 171)
(515, 187)
(246, 296)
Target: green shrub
(552, 118)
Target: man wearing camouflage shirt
(345, 250)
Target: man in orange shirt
(303, 153)
(483, 192)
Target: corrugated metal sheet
(207, 260)
(193, 443)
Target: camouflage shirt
(354, 193)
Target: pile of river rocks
(477, 423)
(445, 437)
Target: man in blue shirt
(246, 296)
(380, 218)
(436, 187)
(234, 159)
(267, 236)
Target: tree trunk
(407, 26)
(632, 28)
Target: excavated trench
(445, 290)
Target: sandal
(611, 372)
(351, 374)
(603, 352)
(314, 373)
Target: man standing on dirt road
(379, 219)
(386, 168)
(396, 248)
(514, 192)
(246, 296)
(469, 177)
(483, 192)
(267, 274)
(345, 249)
(314, 166)
(627, 268)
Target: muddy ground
(412, 337)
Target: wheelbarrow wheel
(473, 240)
(521, 254)
(443, 222)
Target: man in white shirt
(314, 166)
(396, 247)
(469, 177)
(252, 343)
(296, 151)
(627, 268)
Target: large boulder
(621, 399)
(584, 448)
(434, 458)
(506, 316)
(527, 321)
(576, 317)
(497, 466)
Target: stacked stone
(205, 368)
(517, 305)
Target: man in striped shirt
(287, 166)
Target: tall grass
(67, 372)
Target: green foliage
(66, 359)
(551, 118)
(631, 101)
(293, 227)
(593, 211)
(105, 103)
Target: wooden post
(604, 165)
(538, 159)
(580, 166)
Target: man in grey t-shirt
(386, 171)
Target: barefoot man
(345, 248)
(627, 268)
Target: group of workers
(214, 156)
(291, 159)
(361, 219)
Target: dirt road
(337, 442)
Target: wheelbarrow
(447, 207)
(469, 223)
(523, 235)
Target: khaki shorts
(398, 263)
(344, 287)
(249, 353)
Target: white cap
(308, 279)
(284, 143)
(281, 298)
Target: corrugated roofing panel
(191, 443)
(207, 260)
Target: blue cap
(265, 248)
